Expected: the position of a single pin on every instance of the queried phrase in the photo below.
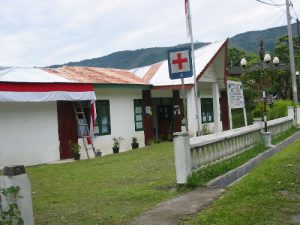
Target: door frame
(67, 128)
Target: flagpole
(193, 65)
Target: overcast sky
(47, 32)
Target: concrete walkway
(171, 211)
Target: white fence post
(291, 112)
(298, 115)
(182, 156)
(16, 176)
(267, 138)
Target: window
(82, 129)
(103, 117)
(138, 115)
(207, 110)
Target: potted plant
(134, 143)
(98, 153)
(116, 144)
(76, 149)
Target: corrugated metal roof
(156, 74)
(160, 75)
(97, 75)
(30, 75)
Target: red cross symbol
(179, 61)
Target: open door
(67, 128)
(164, 113)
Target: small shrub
(12, 214)
(205, 130)
(258, 111)
(134, 140)
(74, 146)
(117, 142)
(279, 109)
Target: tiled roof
(97, 75)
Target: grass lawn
(108, 190)
(268, 195)
(116, 188)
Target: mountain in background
(248, 41)
(129, 59)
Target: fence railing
(203, 150)
(215, 147)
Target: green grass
(269, 195)
(107, 190)
(112, 189)
(201, 177)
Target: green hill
(129, 59)
(247, 41)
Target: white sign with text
(235, 99)
(235, 94)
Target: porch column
(148, 126)
(216, 105)
(177, 114)
(191, 113)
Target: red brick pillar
(224, 111)
(148, 123)
(176, 111)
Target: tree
(282, 84)
(234, 57)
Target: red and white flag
(93, 121)
(188, 17)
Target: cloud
(40, 33)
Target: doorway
(164, 120)
(67, 128)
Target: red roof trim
(26, 87)
(212, 59)
(150, 73)
(225, 65)
(173, 87)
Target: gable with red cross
(180, 63)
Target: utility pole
(291, 48)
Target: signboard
(180, 63)
(235, 94)
(235, 99)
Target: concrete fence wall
(13, 177)
(207, 149)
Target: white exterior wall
(208, 93)
(28, 133)
(191, 112)
(121, 119)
